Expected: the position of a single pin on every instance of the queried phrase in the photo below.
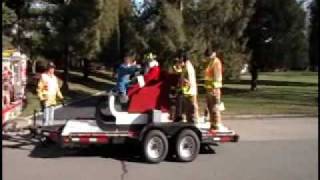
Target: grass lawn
(278, 93)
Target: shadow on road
(18, 141)
(120, 152)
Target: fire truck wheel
(187, 146)
(155, 146)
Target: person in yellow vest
(48, 90)
(188, 88)
(213, 85)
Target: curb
(67, 104)
(268, 116)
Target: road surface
(277, 149)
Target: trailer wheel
(187, 146)
(155, 146)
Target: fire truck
(14, 80)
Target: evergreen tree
(219, 25)
(83, 30)
(160, 29)
(313, 37)
(8, 19)
(8, 16)
(277, 36)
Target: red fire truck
(14, 78)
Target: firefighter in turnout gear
(213, 85)
(187, 102)
(48, 90)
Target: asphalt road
(277, 149)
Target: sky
(137, 2)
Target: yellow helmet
(150, 56)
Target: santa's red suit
(152, 96)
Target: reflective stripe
(75, 139)
(186, 90)
(216, 138)
(177, 69)
(217, 84)
(213, 84)
(93, 140)
(213, 74)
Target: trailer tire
(187, 146)
(155, 146)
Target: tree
(159, 28)
(17, 6)
(313, 37)
(8, 16)
(219, 25)
(277, 36)
(29, 25)
(8, 19)
(72, 33)
(109, 31)
(61, 38)
(85, 41)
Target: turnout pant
(213, 100)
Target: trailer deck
(88, 132)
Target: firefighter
(188, 89)
(213, 85)
(48, 90)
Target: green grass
(278, 93)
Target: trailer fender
(148, 128)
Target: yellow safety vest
(184, 74)
(213, 74)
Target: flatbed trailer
(146, 120)
(155, 137)
(153, 129)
